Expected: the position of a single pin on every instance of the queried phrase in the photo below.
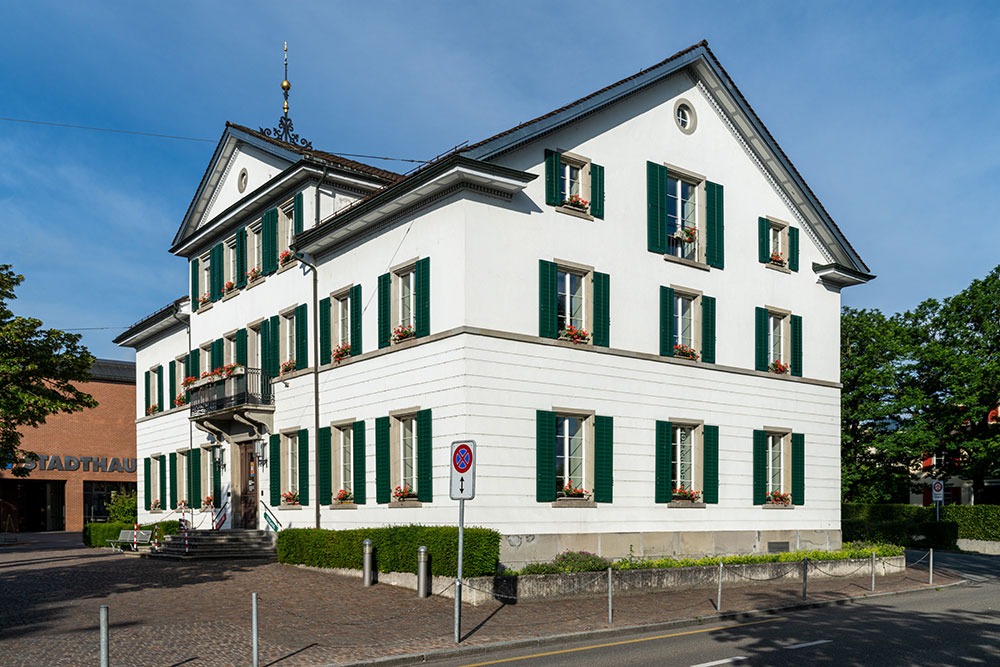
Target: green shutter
(795, 324)
(759, 467)
(760, 339)
(383, 483)
(274, 466)
(147, 483)
(710, 465)
(145, 381)
(666, 321)
(275, 343)
(162, 465)
(763, 240)
(604, 477)
(194, 284)
(708, 329)
(159, 389)
(195, 357)
(798, 469)
(793, 248)
(602, 309)
(656, 211)
(545, 456)
(216, 481)
(172, 371)
(597, 191)
(548, 293)
(194, 474)
(360, 479)
(425, 461)
(715, 233)
(663, 493)
(325, 352)
(324, 494)
(241, 257)
(553, 192)
(269, 241)
(301, 337)
(356, 320)
(215, 272)
(297, 215)
(303, 467)
(173, 480)
(241, 346)
(384, 310)
(422, 287)
(218, 352)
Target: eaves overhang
(165, 319)
(450, 173)
(839, 275)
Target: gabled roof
(168, 317)
(706, 66)
(289, 153)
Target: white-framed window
(255, 244)
(205, 357)
(684, 320)
(287, 226)
(407, 287)
(207, 465)
(570, 180)
(182, 476)
(288, 336)
(571, 299)
(229, 349)
(231, 273)
(408, 452)
(343, 318)
(683, 196)
(253, 346)
(344, 477)
(154, 388)
(777, 241)
(776, 467)
(571, 453)
(155, 492)
(575, 184)
(291, 462)
(179, 370)
(205, 286)
(684, 473)
(777, 337)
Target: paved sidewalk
(168, 613)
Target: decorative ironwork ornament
(285, 130)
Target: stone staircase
(220, 544)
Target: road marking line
(815, 643)
(625, 641)
(721, 662)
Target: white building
(645, 214)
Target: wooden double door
(248, 488)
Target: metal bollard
(873, 571)
(366, 567)
(254, 633)
(104, 636)
(805, 575)
(718, 596)
(930, 580)
(610, 589)
(423, 573)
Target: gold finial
(286, 132)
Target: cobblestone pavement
(198, 613)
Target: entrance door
(248, 487)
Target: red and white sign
(937, 491)
(463, 470)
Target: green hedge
(98, 534)
(886, 512)
(395, 548)
(937, 535)
(893, 532)
(975, 522)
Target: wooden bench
(130, 538)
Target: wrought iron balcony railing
(252, 386)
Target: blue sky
(887, 109)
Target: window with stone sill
(778, 445)
(574, 184)
(286, 225)
(683, 222)
(573, 457)
(290, 454)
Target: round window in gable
(685, 117)
(241, 180)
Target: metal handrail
(251, 387)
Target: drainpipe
(315, 320)
(187, 466)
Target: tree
(37, 367)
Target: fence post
(104, 636)
(930, 580)
(254, 632)
(610, 589)
(873, 570)
(423, 573)
(805, 575)
(366, 567)
(135, 537)
(718, 597)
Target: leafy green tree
(37, 367)
(123, 507)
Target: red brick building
(82, 458)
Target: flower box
(290, 498)
(576, 202)
(777, 498)
(288, 367)
(571, 491)
(180, 399)
(254, 274)
(778, 368)
(344, 497)
(686, 234)
(285, 257)
(205, 299)
(402, 332)
(682, 494)
(209, 377)
(206, 503)
(230, 286)
(404, 492)
(155, 506)
(153, 409)
(685, 352)
(777, 259)
(574, 335)
(342, 351)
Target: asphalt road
(951, 626)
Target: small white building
(634, 293)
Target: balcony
(246, 387)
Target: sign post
(937, 496)
(463, 487)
